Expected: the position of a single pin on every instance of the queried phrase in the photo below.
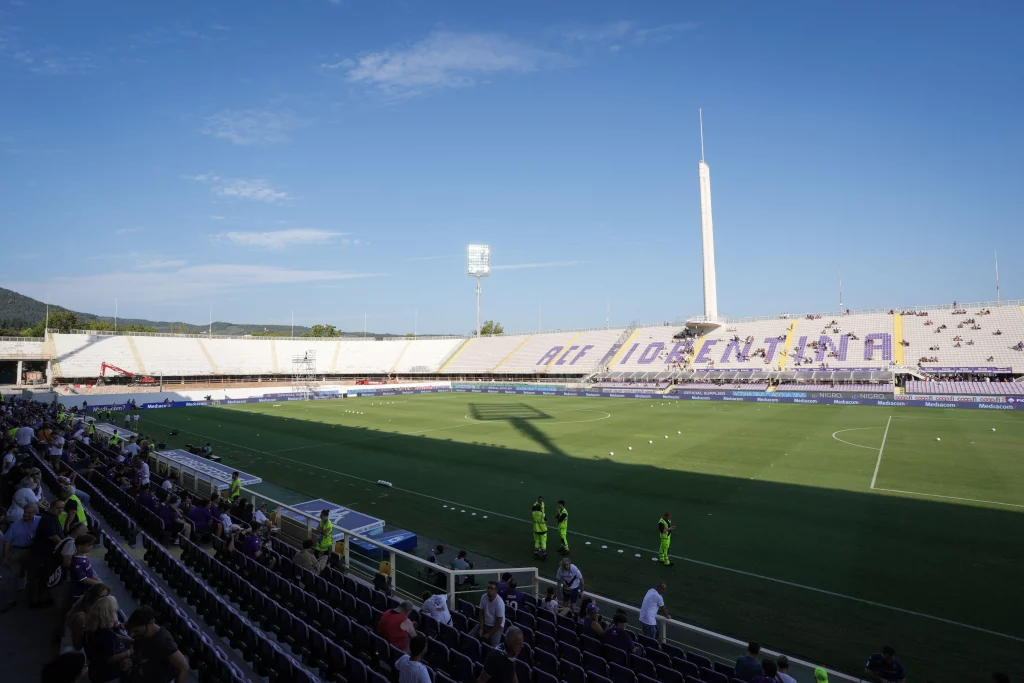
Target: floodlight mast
(478, 265)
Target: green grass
(777, 525)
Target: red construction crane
(130, 375)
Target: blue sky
(333, 158)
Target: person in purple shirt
(513, 596)
(202, 517)
(82, 573)
(146, 498)
(250, 546)
(174, 523)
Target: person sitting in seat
(396, 628)
(307, 559)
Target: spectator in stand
(82, 573)
(106, 648)
(492, 615)
(202, 519)
(551, 601)
(618, 635)
(591, 623)
(68, 495)
(513, 597)
(69, 667)
(461, 562)
(411, 668)
(653, 605)
(500, 664)
(17, 553)
(250, 546)
(435, 606)
(170, 482)
(884, 667)
(769, 671)
(307, 559)
(748, 667)
(570, 581)
(24, 437)
(782, 664)
(131, 449)
(395, 626)
(146, 498)
(174, 521)
(48, 537)
(156, 657)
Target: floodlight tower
(478, 265)
(707, 232)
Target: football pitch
(821, 531)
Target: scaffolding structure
(304, 381)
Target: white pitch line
(851, 429)
(676, 557)
(957, 419)
(935, 495)
(880, 449)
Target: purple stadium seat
(543, 677)
(545, 661)
(641, 678)
(667, 675)
(658, 657)
(461, 667)
(688, 669)
(728, 671)
(545, 642)
(590, 644)
(699, 660)
(568, 653)
(641, 665)
(595, 664)
(597, 678)
(469, 646)
(711, 676)
(523, 671)
(621, 674)
(571, 673)
(616, 656)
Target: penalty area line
(690, 560)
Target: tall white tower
(707, 232)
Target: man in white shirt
(131, 448)
(410, 667)
(127, 420)
(24, 437)
(570, 581)
(783, 670)
(652, 605)
(79, 434)
(492, 615)
(436, 607)
(144, 468)
(9, 461)
(135, 420)
(56, 449)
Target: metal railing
(21, 339)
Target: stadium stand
(967, 388)
(650, 348)
(853, 341)
(973, 329)
(749, 345)
(813, 386)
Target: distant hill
(19, 312)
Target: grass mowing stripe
(711, 565)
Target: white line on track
(702, 563)
(881, 448)
(935, 495)
(853, 429)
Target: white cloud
(126, 231)
(542, 264)
(158, 264)
(615, 30)
(446, 59)
(279, 239)
(663, 33)
(215, 217)
(191, 283)
(432, 258)
(252, 126)
(256, 189)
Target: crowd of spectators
(47, 547)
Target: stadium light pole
(115, 314)
(998, 298)
(478, 265)
(707, 232)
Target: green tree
(322, 331)
(491, 327)
(137, 328)
(101, 325)
(63, 321)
